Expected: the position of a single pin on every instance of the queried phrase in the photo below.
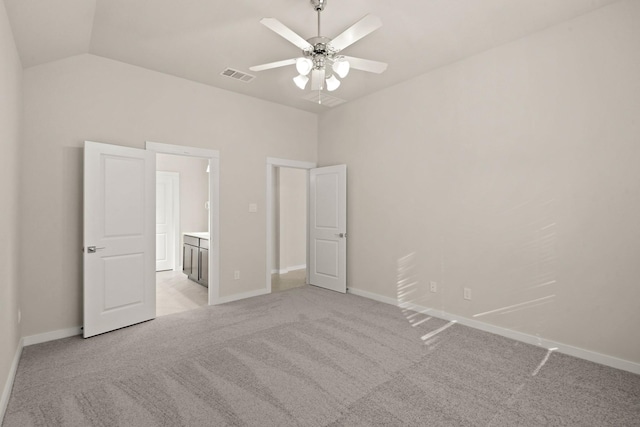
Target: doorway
(293, 274)
(289, 265)
(199, 208)
(182, 203)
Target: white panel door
(328, 227)
(119, 236)
(165, 217)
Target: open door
(119, 237)
(328, 227)
(167, 208)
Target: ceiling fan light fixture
(332, 83)
(321, 61)
(301, 81)
(341, 66)
(304, 66)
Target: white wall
(91, 98)
(292, 216)
(10, 116)
(514, 173)
(194, 190)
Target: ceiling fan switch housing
(318, 4)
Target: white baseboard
(53, 335)
(8, 385)
(580, 353)
(237, 297)
(289, 269)
(371, 295)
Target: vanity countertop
(198, 234)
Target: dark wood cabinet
(195, 259)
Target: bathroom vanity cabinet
(195, 257)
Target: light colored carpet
(310, 357)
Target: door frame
(214, 205)
(272, 164)
(175, 227)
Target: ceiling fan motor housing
(321, 51)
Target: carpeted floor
(310, 357)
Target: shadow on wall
(71, 209)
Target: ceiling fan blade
(360, 29)
(317, 79)
(366, 64)
(271, 65)
(285, 32)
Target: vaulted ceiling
(198, 39)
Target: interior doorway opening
(182, 233)
(200, 219)
(299, 274)
(289, 244)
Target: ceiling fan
(321, 55)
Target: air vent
(238, 75)
(323, 99)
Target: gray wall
(514, 173)
(10, 116)
(92, 98)
(292, 218)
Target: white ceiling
(198, 39)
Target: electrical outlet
(434, 287)
(253, 207)
(467, 293)
(236, 274)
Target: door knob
(93, 249)
(341, 235)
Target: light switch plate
(253, 207)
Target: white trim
(181, 150)
(289, 269)
(8, 385)
(237, 297)
(285, 163)
(53, 335)
(214, 205)
(580, 353)
(273, 163)
(371, 295)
